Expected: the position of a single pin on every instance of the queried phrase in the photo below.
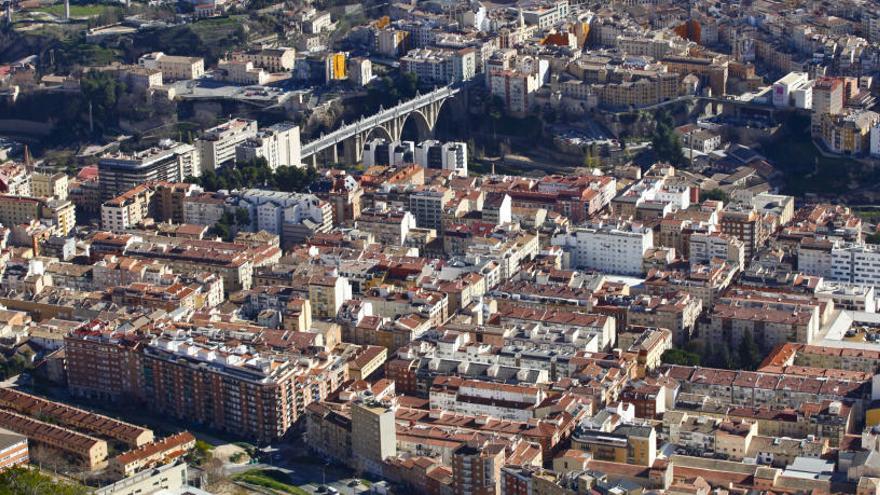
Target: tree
(714, 194)
(681, 357)
(749, 353)
(25, 481)
(242, 217)
(665, 141)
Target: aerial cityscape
(439, 247)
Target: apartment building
(217, 145)
(770, 390)
(233, 262)
(373, 435)
(547, 16)
(388, 226)
(627, 444)
(427, 207)
(326, 295)
(17, 210)
(278, 144)
(452, 156)
(769, 323)
(639, 90)
(381, 152)
(828, 98)
(744, 223)
(712, 72)
(705, 247)
(204, 208)
(174, 68)
(611, 248)
(516, 402)
(516, 79)
(253, 395)
(849, 132)
(13, 449)
(168, 162)
(279, 59)
(102, 364)
(127, 210)
(441, 66)
(242, 72)
(49, 185)
(292, 216)
(476, 470)
(152, 454)
(856, 264)
(91, 452)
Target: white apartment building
(278, 144)
(427, 207)
(381, 152)
(217, 145)
(174, 67)
(545, 17)
(703, 247)
(856, 264)
(360, 71)
(270, 210)
(792, 90)
(126, 210)
(445, 156)
(170, 161)
(499, 400)
(610, 248)
(516, 81)
(814, 257)
(440, 65)
(204, 209)
(242, 72)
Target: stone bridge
(386, 123)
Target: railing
(377, 119)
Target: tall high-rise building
(217, 145)
(170, 162)
(373, 435)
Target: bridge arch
(378, 132)
(424, 127)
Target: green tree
(665, 141)
(25, 481)
(242, 217)
(682, 357)
(749, 353)
(714, 194)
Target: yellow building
(15, 210)
(629, 444)
(49, 185)
(335, 67)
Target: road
(307, 475)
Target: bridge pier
(352, 149)
(335, 151)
